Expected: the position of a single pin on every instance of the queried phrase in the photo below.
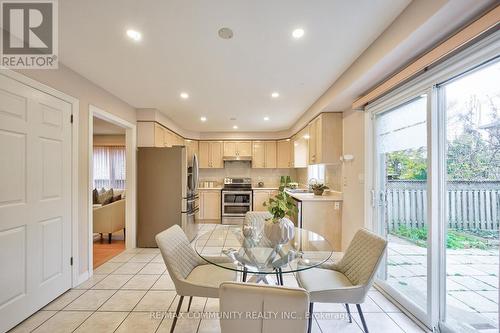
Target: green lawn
(456, 239)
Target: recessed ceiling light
(203, 118)
(235, 127)
(298, 33)
(225, 33)
(266, 118)
(184, 95)
(134, 34)
(306, 136)
(275, 94)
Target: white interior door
(35, 200)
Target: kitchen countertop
(218, 188)
(330, 196)
(256, 188)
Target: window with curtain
(109, 167)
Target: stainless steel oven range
(236, 199)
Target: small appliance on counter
(236, 200)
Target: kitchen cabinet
(191, 150)
(152, 134)
(301, 149)
(209, 204)
(237, 148)
(210, 154)
(159, 134)
(323, 218)
(261, 196)
(284, 155)
(325, 139)
(264, 154)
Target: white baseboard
(82, 278)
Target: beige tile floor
(134, 293)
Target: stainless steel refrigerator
(167, 192)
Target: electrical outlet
(336, 205)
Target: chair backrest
(362, 258)
(177, 253)
(252, 308)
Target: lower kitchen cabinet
(210, 205)
(261, 196)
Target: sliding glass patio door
(471, 103)
(434, 175)
(400, 200)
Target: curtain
(109, 167)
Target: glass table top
(257, 254)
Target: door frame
(130, 172)
(469, 58)
(76, 277)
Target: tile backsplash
(270, 177)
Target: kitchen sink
(298, 190)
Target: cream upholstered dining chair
(255, 308)
(192, 276)
(349, 280)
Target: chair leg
(109, 238)
(244, 277)
(189, 304)
(348, 312)
(176, 314)
(311, 309)
(362, 318)
(280, 271)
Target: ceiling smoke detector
(225, 33)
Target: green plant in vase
(279, 229)
(319, 188)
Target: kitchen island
(321, 214)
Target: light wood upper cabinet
(237, 148)
(300, 143)
(229, 148)
(152, 134)
(191, 150)
(159, 133)
(284, 155)
(264, 154)
(325, 139)
(270, 154)
(210, 154)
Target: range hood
(237, 158)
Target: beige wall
(353, 175)
(109, 140)
(73, 84)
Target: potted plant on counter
(279, 229)
(319, 188)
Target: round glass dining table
(257, 255)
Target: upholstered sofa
(109, 218)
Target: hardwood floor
(103, 251)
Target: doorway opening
(111, 186)
(108, 194)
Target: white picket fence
(470, 205)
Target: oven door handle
(237, 192)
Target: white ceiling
(102, 127)
(180, 51)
